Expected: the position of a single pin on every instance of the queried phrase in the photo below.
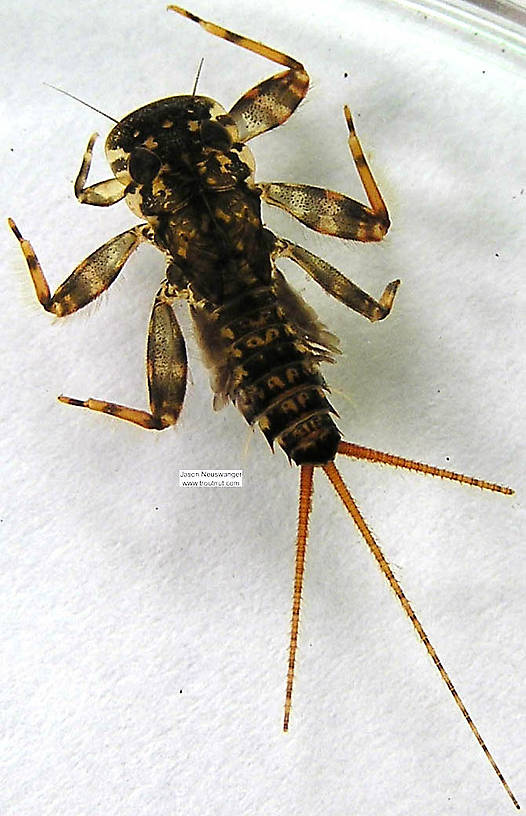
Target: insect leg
(337, 284)
(270, 103)
(330, 212)
(337, 482)
(101, 194)
(89, 279)
(166, 370)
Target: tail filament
(305, 502)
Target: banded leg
(92, 277)
(166, 370)
(103, 193)
(330, 212)
(336, 284)
(270, 103)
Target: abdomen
(270, 370)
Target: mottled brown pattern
(184, 169)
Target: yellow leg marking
(142, 418)
(82, 176)
(35, 270)
(388, 295)
(305, 503)
(237, 39)
(349, 503)
(103, 193)
(370, 186)
(358, 452)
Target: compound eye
(143, 165)
(215, 135)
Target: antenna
(72, 96)
(197, 76)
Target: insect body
(183, 166)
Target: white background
(144, 626)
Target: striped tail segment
(304, 509)
(275, 378)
